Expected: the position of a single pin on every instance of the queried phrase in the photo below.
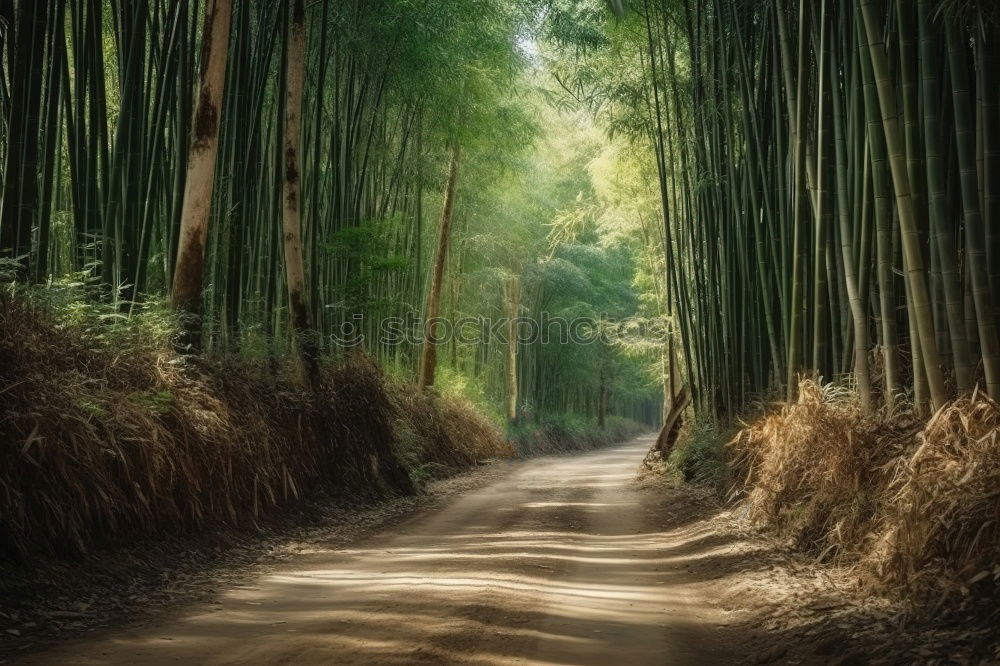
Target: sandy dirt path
(564, 560)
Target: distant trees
(268, 167)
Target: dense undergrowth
(912, 506)
(700, 454)
(108, 435)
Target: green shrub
(700, 454)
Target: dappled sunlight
(556, 332)
(547, 505)
(585, 571)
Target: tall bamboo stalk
(190, 266)
(428, 359)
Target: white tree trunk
(190, 267)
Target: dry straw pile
(915, 507)
(940, 531)
(100, 441)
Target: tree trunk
(856, 301)
(603, 396)
(512, 299)
(672, 424)
(190, 266)
(800, 197)
(291, 216)
(428, 359)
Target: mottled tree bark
(190, 267)
(298, 306)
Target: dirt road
(562, 561)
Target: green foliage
(77, 304)
(452, 382)
(367, 250)
(409, 450)
(393, 86)
(157, 402)
(700, 454)
(94, 409)
(9, 269)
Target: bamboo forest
(500, 331)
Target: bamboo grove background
(97, 99)
(829, 175)
(799, 187)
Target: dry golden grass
(940, 534)
(100, 442)
(914, 507)
(440, 435)
(814, 469)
